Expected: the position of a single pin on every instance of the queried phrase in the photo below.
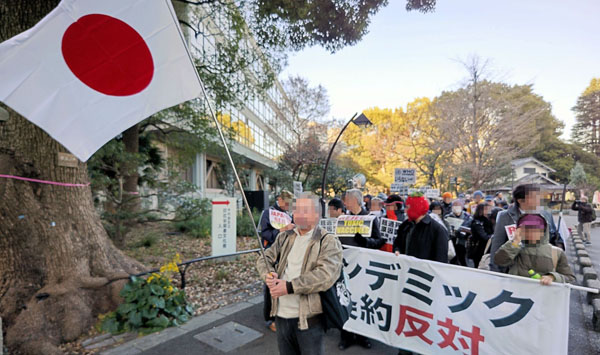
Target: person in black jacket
(354, 207)
(585, 217)
(268, 232)
(482, 230)
(420, 236)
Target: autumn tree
(488, 123)
(586, 131)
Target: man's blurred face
(584, 199)
(334, 212)
(391, 207)
(531, 201)
(351, 203)
(477, 198)
(447, 199)
(499, 196)
(306, 214)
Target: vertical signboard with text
(223, 229)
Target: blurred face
(487, 210)
(284, 204)
(306, 214)
(447, 199)
(584, 199)
(375, 205)
(334, 213)
(532, 235)
(437, 211)
(477, 198)
(499, 196)
(391, 207)
(531, 201)
(351, 203)
(457, 209)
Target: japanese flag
(93, 68)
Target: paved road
(582, 339)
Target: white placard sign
(435, 308)
(400, 188)
(297, 188)
(328, 224)
(432, 193)
(405, 176)
(224, 226)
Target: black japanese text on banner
(435, 308)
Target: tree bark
(56, 260)
(131, 140)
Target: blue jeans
(293, 341)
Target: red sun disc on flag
(108, 55)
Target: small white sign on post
(405, 176)
(223, 226)
(298, 188)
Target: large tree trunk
(56, 260)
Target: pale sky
(552, 44)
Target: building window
(529, 171)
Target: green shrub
(198, 227)
(244, 223)
(150, 305)
(148, 240)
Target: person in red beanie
(421, 236)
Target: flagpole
(214, 117)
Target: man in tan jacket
(301, 263)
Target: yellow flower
(170, 288)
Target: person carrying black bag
(301, 264)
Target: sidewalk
(234, 329)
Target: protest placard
(348, 226)
(405, 176)
(279, 219)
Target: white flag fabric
(435, 308)
(91, 69)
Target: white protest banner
(348, 226)
(405, 176)
(91, 69)
(328, 224)
(279, 219)
(224, 226)
(388, 229)
(297, 188)
(400, 188)
(434, 308)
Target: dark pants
(461, 255)
(267, 304)
(293, 341)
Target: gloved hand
(360, 240)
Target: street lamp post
(361, 120)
